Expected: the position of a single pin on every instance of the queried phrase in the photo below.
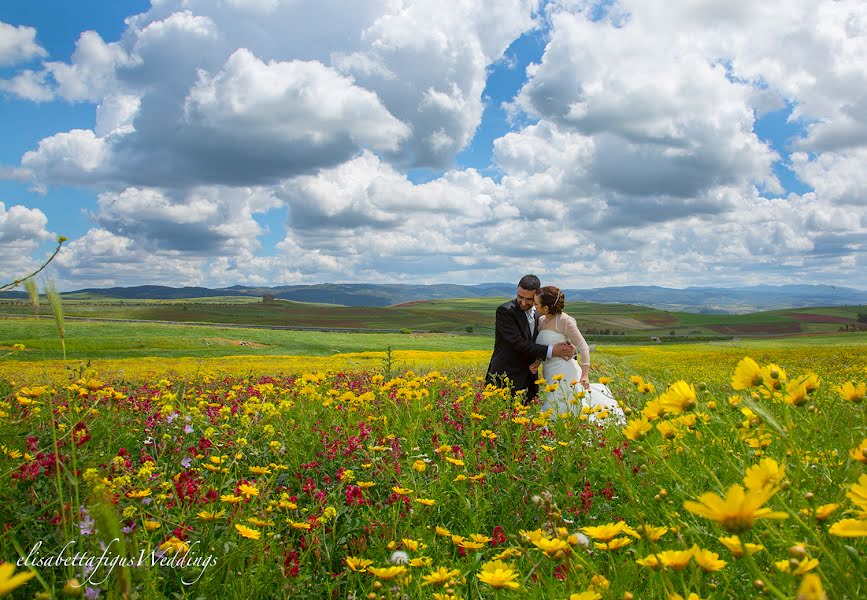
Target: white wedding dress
(566, 398)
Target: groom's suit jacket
(515, 349)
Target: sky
(591, 142)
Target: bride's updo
(551, 298)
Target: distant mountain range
(692, 299)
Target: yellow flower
(260, 470)
(614, 544)
(765, 474)
(653, 410)
(442, 531)
(441, 576)
(747, 374)
(636, 429)
(821, 513)
(9, 582)
(401, 491)
(707, 560)
(811, 588)
(555, 547)
(410, 544)
(152, 525)
(471, 545)
(860, 453)
(652, 533)
(853, 393)
(365, 484)
(588, 595)
(303, 525)
(498, 575)
(208, 515)
(387, 572)
(248, 490)
(359, 565)
(668, 429)
(455, 461)
(804, 566)
(678, 398)
(849, 528)
(733, 543)
(858, 492)
(604, 380)
(773, 376)
(138, 495)
(796, 393)
(736, 512)
(419, 466)
(608, 531)
(676, 559)
(487, 433)
(421, 561)
(174, 545)
(248, 532)
(426, 501)
(230, 498)
(651, 561)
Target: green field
(599, 322)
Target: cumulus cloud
(203, 221)
(22, 229)
(18, 44)
(252, 93)
(633, 156)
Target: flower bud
(72, 588)
(797, 551)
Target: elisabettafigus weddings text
(91, 563)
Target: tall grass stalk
(57, 309)
(33, 291)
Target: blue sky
(593, 143)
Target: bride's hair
(551, 298)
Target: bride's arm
(573, 334)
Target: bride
(564, 377)
(569, 378)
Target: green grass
(86, 340)
(628, 323)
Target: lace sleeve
(568, 327)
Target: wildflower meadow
(376, 481)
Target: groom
(514, 347)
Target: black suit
(515, 350)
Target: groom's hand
(564, 350)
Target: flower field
(356, 477)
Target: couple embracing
(533, 329)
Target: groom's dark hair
(530, 283)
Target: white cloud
(18, 44)
(77, 156)
(91, 74)
(280, 89)
(839, 177)
(203, 221)
(280, 104)
(22, 229)
(28, 85)
(633, 157)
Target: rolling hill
(693, 299)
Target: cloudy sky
(593, 142)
